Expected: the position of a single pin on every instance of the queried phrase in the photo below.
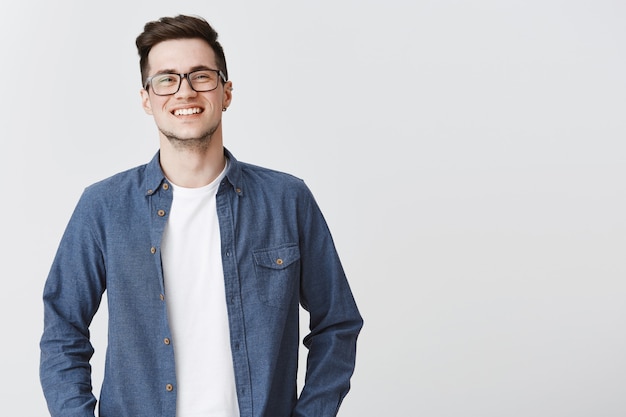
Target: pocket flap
(277, 258)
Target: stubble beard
(196, 144)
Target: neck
(192, 167)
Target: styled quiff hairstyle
(179, 27)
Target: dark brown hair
(179, 27)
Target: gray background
(468, 156)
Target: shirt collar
(233, 174)
(155, 177)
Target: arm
(335, 321)
(72, 294)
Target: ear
(228, 94)
(145, 101)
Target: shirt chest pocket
(277, 272)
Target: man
(205, 261)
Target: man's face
(187, 118)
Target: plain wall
(469, 157)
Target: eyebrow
(195, 68)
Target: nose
(185, 88)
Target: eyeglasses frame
(180, 80)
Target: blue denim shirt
(277, 254)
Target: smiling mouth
(187, 112)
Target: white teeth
(187, 112)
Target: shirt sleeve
(71, 297)
(335, 321)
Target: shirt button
(161, 213)
(153, 250)
(166, 341)
(169, 387)
(279, 261)
(149, 192)
(166, 186)
(238, 190)
(162, 297)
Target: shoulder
(120, 186)
(271, 180)
(267, 174)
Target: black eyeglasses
(203, 80)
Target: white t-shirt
(196, 303)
